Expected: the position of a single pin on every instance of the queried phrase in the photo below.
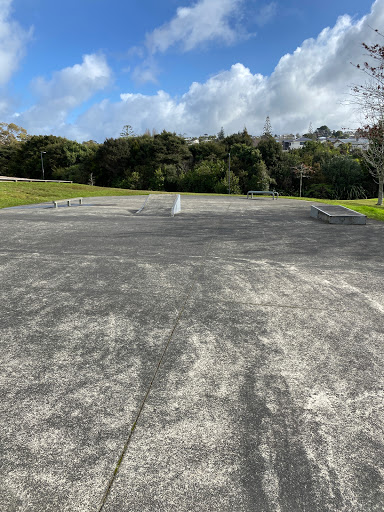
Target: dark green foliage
(237, 138)
(221, 187)
(320, 190)
(8, 155)
(271, 152)
(59, 154)
(248, 165)
(165, 162)
(112, 161)
(207, 150)
(221, 134)
(282, 171)
(204, 177)
(346, 176)
(323, 131)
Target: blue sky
(83, 69)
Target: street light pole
(42, 162)
(229, 173)
(301, 180)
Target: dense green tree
(10, 133)
(127, 131)
(221, 134)
(237, 138)
(112, 162)
(323, 131)
(58, 153)
(346, 176)
(222, 185)
(248, 165)
(170, 149)
(282, 171)
(271, 152)
(205, 176)
(315, 153)
(165, 162)
(207, 150)
(8, 155)
(338, 134)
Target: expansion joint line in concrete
(169, 339)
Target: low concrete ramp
(158, 205)
(336, 214)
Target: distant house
(191, 140)
(294, 143)
(362, 144)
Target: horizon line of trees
(164, 161)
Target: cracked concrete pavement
(268, 327)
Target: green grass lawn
(19, 193)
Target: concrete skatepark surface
(227, 359)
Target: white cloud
(13, 39)
(206, 20)
(65, 91)
(267, 12)
(309, 85)
(147, 71)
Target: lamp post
(229, 173)
(42, 162)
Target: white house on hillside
(294, 143)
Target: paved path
(227, 359)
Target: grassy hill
(19, 193)
(16, 194)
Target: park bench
(259, 192)
(68, 201)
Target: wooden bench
(68, 201)
(259, 192)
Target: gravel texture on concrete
(227, 359)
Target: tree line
(165, 161)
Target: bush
(320, 190)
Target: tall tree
(10, 133)
(127, 131)
(271, 152)
(369, 98)
(323, 131)
(267, 131)
(374, 156)
(221, 134)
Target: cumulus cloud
(206, 20)
(65, 91)
(309, 85)
(13, 40)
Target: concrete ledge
(336, 214)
